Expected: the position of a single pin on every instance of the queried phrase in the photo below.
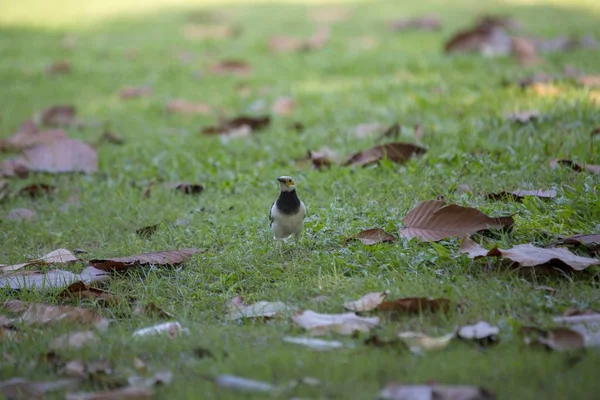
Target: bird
(287, 212)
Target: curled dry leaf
(234, 67)
(62, 156)
(162, 258)
(243, 384)
(284, 106)
(133, 393)
(418, 342)
(415, 305)
(315, 344)
(227, 126)
(587, 325)
(20, 214)
(345, 324)
(323, 157)
(59, 115)
(368, 302)
(594, 169)
(171, 329)
(559, 339)
(396, 391)
(523, 117)
(43, 314)
(133, 92)
(19, 388)
(373, 236)
(519, 194)
(182, 106)
(425, 23)
(59, 256)
(29, 135)
(589, 241)
(80, 290)
(75, 340)
(260, 309)
(482, 332)
(527, 255)
(14, 168)
(396, 152)
(434, 220)
(484, 38)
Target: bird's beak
(281, 180)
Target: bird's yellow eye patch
(289, 182)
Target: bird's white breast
(285, 225)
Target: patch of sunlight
(79, 13)
(591, 4)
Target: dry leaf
(527, 255)
(182, 106)
(19, 388)
(589, 80)
(426, 23)
(75, 340)
(208, 32)
(368, 302)
(594, 169)
(368, 130)
(171, 329)
(519, 194)
(242, 384)
(373, 236)
(59, 67)
(37, 189)
(590, 241)
(525, 51)
(486, 38)
(395, 391)
(523, 117)
(61, 156)
(284, 106)
(288, 44)
(396, 152)
(418, 342)
(346, 324)
(37, 313)
(560, 339)
(20, 214)
(415, 305)
(133, 92)
(261, 309)
(151, 310)
(433, 220)
(80, 290)
(35, 280)
(158, 379)
(126, 393)
(235, 67)
(29, 135)
(316, 344)
(323, 157)
(587, 325)
(168, 257)
(14, 167)
(59, 256)
(225, 127)
(60, 115)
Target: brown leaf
(147, 231)
(595, 169)
(324, 157)
(80, 290)
(20, 214)
(519, 194)
(189, 188)
(559, 339)
(345, 324)
(528, 255)
(126, 393)
(573, 312)
(368, 302)
(112, 138)
(485, 38)
(37, 189)
(209, 32)
(19, 388)
(133, 92)
(373, 236)
(60, 115)
(225, 127)
(288, 44)
(284, 106)
(415, 305)
(523, 117)
(75, 340)
(396, 391)
(589, 80)
(418, 342)
(151, 310)
(525, 51)
(396, 152)
(59, 67)
(29, 135)
(426, 23)
(43, 314)
(235, 67)
(181, 106)
(433, 220)
(62, 156)
(14, 168)
(168, 257)
(587, 325)
(59, 256)
(590, 241)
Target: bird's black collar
(288, 202)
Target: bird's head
(286, 183)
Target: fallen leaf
(59, 67)
(415, 305)
(133, 92)
(235, 67)
(527, 255)
(151, 310)
(35, 280)
(168, 257)
(559, 339)
(373, 236)
(396, 391)
(182, 106)
(126, 393)
(29, 135)
(288, 44)
(37, 189)
(589, 80)
(158, 379)
(67, 155)
(19, 388)
(209, 32)
(171, 329)
(595, 169)
(487, 38)
(368, 302)
(523, 117)
(43, 314)
(418, 342)
(519, 194)
(60, 115)
(147, 231)
(284, 106)
(425, 23)
(324, 157)
(396, 152)
(525, 51)
(59, 256)
(587, 325)
(574, 312)
(368, 130)
(316, 344)
(434, 220)
(481, 332)
(189, 188)
(225, 127)
(20, 214)
(260, 309)
(14, 168)
(80, 290)
(345, 324)
(75, 340)
(589, 241)
(242, 384)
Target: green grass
(460, 101)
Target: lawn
(365, 73)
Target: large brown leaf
(590, 241)
(433, 220)
(488, 37)
(396, 391)
(168, 257)
(373, 236)
(415, 305)
(396, 152)
(44, 314)
(558, 339)
(60, 115)
(587, 325)
(29, 135)
(14, 168)
(66, 155)
(527, 255)
(80, 290)
(577, 167)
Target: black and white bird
(288, 211)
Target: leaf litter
(368, 302)
(161, 258)
(519, 194)
(396, 152)
(44, 314)
(261, 309)
(345, 324)
(315, 344)
(227, 126)
(75, 340)
(62, 156)
(373, 236)
(396, 391)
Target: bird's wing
(271, 219)
(303, 206)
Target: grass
(460, 101)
